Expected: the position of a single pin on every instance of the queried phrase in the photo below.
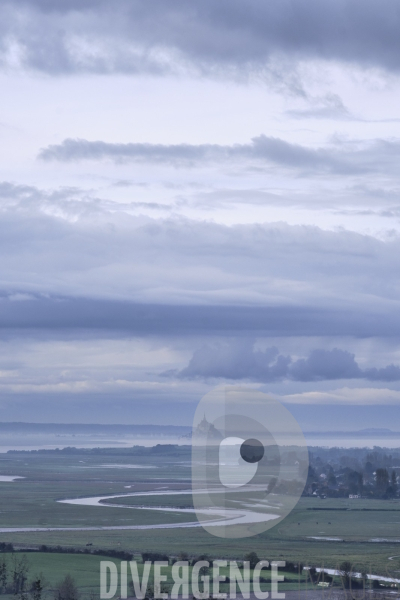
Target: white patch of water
(10, 477)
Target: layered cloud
(298, 272)
(240, 361)
(227, 37)
(347, 396)
(344, 157)
(202, 189)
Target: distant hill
(360, 432)
(376, 430)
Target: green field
(32, 503)
(52, 568)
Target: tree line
(15, 581)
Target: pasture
(365, 532)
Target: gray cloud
(329, 107)
(97, 298)
(261, 148)
(96, 272)
(22, 311)
(227, 37)
(389, 373)
(64, 202)
(239, 360)
(32, 200)
(345, 157)
(326, 364)
(107, 268)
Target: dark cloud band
(60, 313)
(226, 37)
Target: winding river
(217, 517)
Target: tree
(354, 482)
(369, 468)
(183, 556)
(364, 579)
(37, 588)
(312, 572)
(19, 574)
(3, 575)
(66, 589)
(394, 481)
(312, 476)
(382, 480)
(332, 481)
(153, 591)
(252, 558)
(271, 484)
(360, 483)
(345, 571)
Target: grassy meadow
(365, 532)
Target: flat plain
(317, 532)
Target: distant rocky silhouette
(205, 431)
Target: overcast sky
(195, 193)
